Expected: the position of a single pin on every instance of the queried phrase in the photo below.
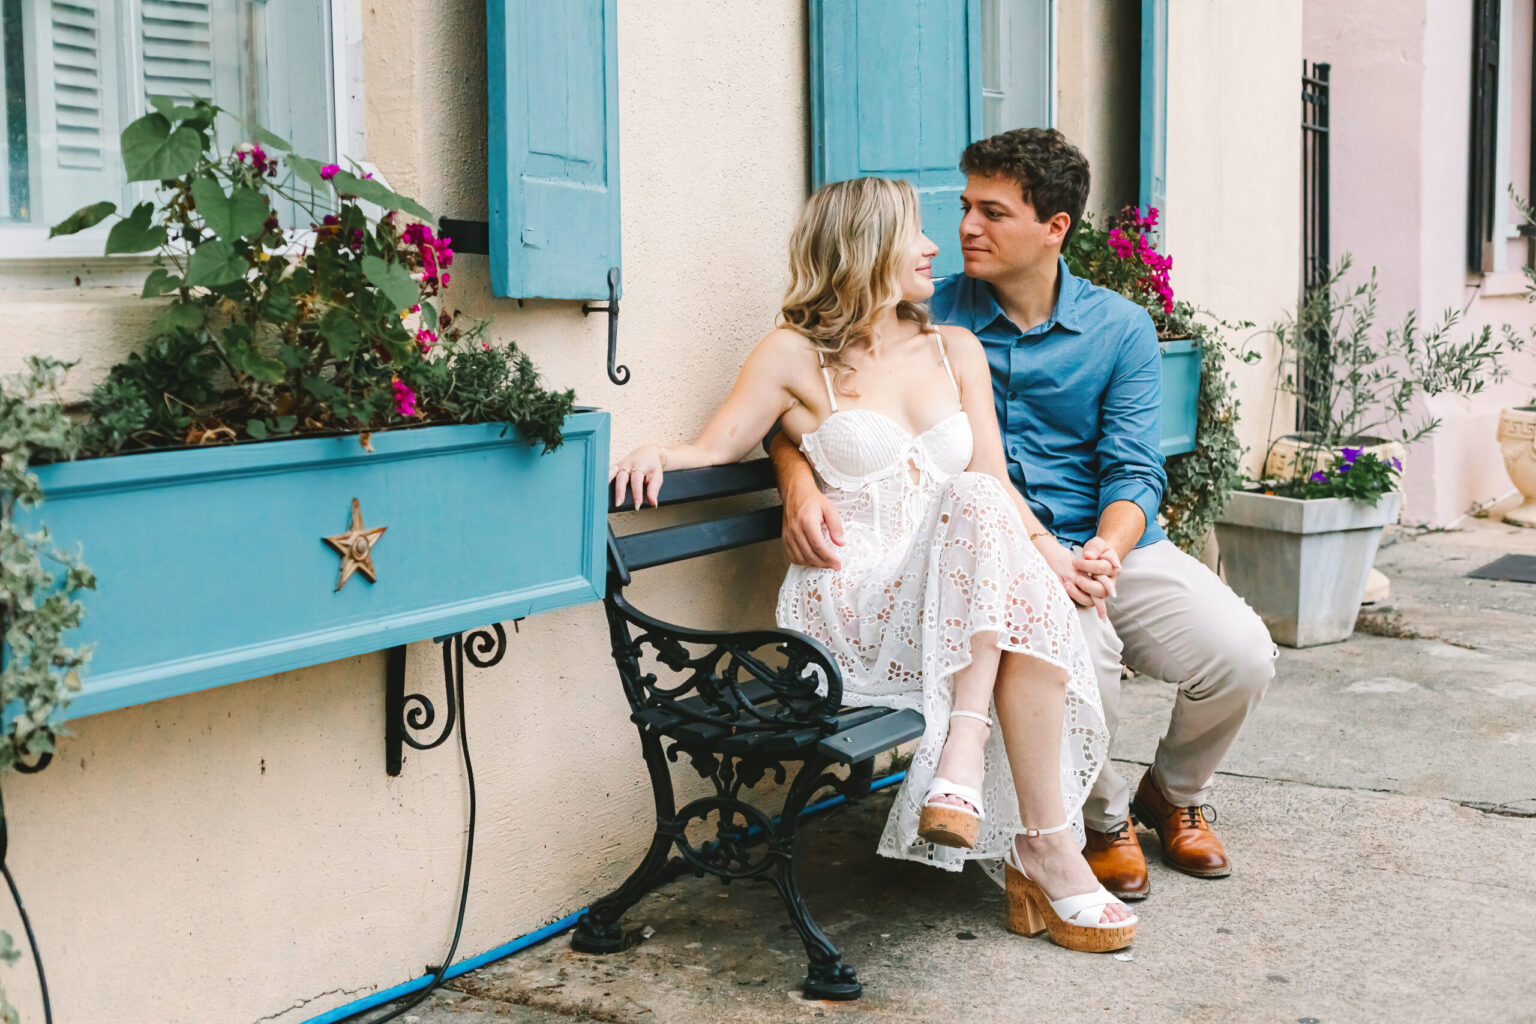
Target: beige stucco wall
(1233, 222)
(239, 854)
(1400, 99)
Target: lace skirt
(900, 623)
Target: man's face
(1001, 237)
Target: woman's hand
(640, 470)
(1085, 591)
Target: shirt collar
(984, 310)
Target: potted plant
(1298, 547)
(307, 458)
(1517, 442)
(1198, 412)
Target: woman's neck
(886, 330)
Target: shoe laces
(1119, 833)
(1198, 816)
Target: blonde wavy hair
(846, 257)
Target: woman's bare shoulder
(961, 343)
(787, 347)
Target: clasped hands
(813, 532)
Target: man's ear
(1058, 226)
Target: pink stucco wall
(1401, 81)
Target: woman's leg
(962, 761)
(1030, 698)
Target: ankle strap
(972, 714)
(1030, 833)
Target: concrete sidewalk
(1380, 810)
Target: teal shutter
(896, 93)
(1154, 105)
(554, 147)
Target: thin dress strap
(944, 355)
(827, 379)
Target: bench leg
(827, 977)
(599, 930)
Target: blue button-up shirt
(1077, 400)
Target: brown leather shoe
(1189, 845)
(1117, 862)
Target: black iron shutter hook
(617, 374)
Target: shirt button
(1012, 395)
(1016, 451)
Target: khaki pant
(1172, 618)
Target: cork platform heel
(1073, 922)
(952, 824)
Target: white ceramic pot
(1294, 455)
(1302, 565)
(1517, 440)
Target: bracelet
(1039, 533)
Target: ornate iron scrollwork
(406, 716)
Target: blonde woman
(948, 599)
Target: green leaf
(215, 263)
(257, 429)
(266, 138)
(185, 315)
(245, 357)
(238, 214)
(340, 332)
(308, 171)
(152, 151)
(393, 280)
(199, 115)
(285, 424)
(429, 316)
(347, 183)
(85, 217)
(135, 233)
(159, 282)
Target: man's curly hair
(1052, 172)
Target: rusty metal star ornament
(356, 548)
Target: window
(1018, 67)
(77, 72)
(1512, 153)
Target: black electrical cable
(440, 972)
(26, 922)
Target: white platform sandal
(951, 824)
(1074, 922)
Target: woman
(949, 598)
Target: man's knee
(1239, 662)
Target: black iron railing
(1315, 212)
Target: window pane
(77, 71)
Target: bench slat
(676, 543)
(861, 742)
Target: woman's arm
(762, 393)
(975, 379)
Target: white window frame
(29, 260)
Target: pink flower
(329, 171)
(405, 398)
(426, 339)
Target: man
(1076, 374)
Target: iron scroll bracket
(408, 716)
(617, 374)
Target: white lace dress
(933, 556)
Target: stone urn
(1517, 440)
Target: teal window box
(1181, 395)
(212, 565)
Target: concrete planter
(213, 567)
(1517, 442)
(1302, 565)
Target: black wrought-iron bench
(739, 705)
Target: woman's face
(917, 269)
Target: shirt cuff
(1146, 497)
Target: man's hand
(811, 529)
(1085, 590)
(1099, 560)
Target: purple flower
(1351, 454)
(329, 171)
(1396, 464)
(1345, 468)
(1319, 477)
